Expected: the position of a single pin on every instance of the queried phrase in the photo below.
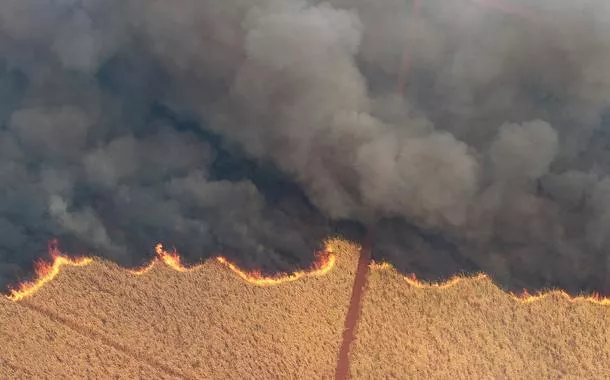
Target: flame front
(595, 298)
(46, 272)
(380, 265)
(417, 283)
(144, 269)
(524, 297)
(324, 263)
(172, 260)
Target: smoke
(253, 128)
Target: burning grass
(204, 321)
(212, 320)
(47, 271)
(469, 328)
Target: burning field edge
(47, 271)
(324, 263)
(523, 297)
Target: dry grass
(100, 321)
(35, 347)
(202, 324)
(474, 330)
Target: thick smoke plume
(252, 127)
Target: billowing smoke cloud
(250, 127)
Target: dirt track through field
(93, 335)
(101, 321)
(353, 313)
(166, 324)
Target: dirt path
(96, 336)
(353, 313)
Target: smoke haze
(255, 128)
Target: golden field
(103, 321)
(474, 330)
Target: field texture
(205, 324)
(102, 321)
(473, 330)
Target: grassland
(36, 347)
(202, 324)
(474, 330)
(101, 321)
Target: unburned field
(102, 321)
(207, 323)
(474, 330)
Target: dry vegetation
(100, 321)
(35, 347)
(202, 324)
(474, 330)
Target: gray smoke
(245, 126)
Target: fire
(144, 269)
(172, 260)
(595, 298)
(325, 261)
(380, 266)
(524, 297)
(417, 283)
(169, 258)
(45, 272)
(323, 264)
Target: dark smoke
(255, 128)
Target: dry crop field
(208, 323)
(474, 330)
(102, 321)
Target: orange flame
(524, 297)
(169, 258)
(595, 298)
(46, 272)
(380, 265)
(144, 269)
(323, 264)
(417, 283)
(172, 260)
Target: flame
(172, 260)
(324, 263)
(144, 269)
(169, 258)
(524, 297)
(595, 298)
(380, 265)
(45, 272)
(417, 283)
